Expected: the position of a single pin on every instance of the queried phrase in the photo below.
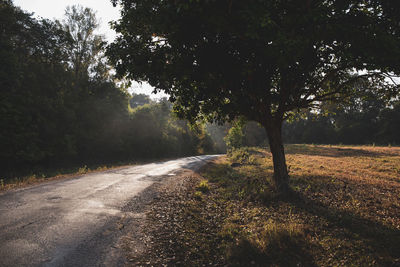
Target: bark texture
(281, 175)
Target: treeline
(365, 119)
(60, 105)
(154, 131)
(362, 120)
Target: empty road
(74, 222)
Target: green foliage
(254, 134)
(245, 181)
(139, 100)
(234, 138)
(258, 59)
(83, 170)
(84, 46)
(367, 121)
(154, 131)
(220, 60)
(217, 134)
(61, 109)
(242, 134)
(239, 155)
(33, 87)
(203, 186)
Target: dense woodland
(60, 105)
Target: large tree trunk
(281, 176)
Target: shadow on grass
(277, 244)
(333, 151)
(282, 248)
(371, 236)
(235, 186)
(365, 241)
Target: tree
(139, 100)
(32, 81)
(234, 138)
(390, 125)
(44, 119)
(85, 46)
(254, 134)
(258, 59)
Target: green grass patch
(203, 187)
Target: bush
(234, 138)
(203, 186)
(239, 155)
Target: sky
(105, 12)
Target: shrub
(234, 138)
(239, 155)
(203, 186)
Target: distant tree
(235, 137)
(139, 100)
(258, 59)
(154, 131)
(389, 125)
(357, 123)
(85, 47)
(365, 118)
(254, 134)
(217, 133)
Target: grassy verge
(345, 210)
(49, 175)
(40, 175)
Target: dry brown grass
(24, 181)
(364, 181)
(345, 210)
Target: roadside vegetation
(344, 210)
(62, 110)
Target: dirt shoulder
(174, 230)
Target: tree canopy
(60, 107)
(258, 59)
(85, 47)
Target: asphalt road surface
(74, 222)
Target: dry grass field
(344, 211)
